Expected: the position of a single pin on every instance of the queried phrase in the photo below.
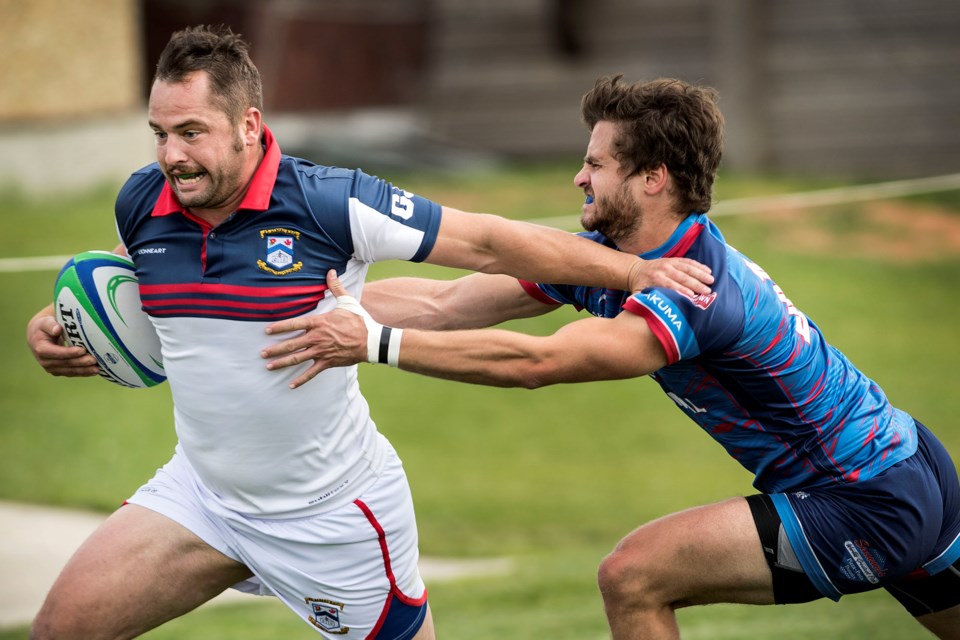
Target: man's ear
(655, 180)
(251, 126)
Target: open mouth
(187, 179)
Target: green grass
(552, 478)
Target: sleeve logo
(402, 205)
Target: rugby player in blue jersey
(270, 491)
(854, 494)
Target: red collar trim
(686, 241)
(258, 193)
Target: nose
(582, 179)
(171, 152)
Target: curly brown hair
(664, 121)
(224, 55)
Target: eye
(190, 135)
(159, 135)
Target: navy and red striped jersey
(262, 448)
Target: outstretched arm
(491, 244)
(471, 302)
(582, 351)
(588, 349)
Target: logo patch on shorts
(326, 615)
(864, 564)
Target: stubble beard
(616, 217)
(220, 186)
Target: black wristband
(384, 345)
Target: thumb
(51, 327)
(336, 287)
(346, 301)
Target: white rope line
(757, 204)
(807, 199)
(36, 263)
(840, 195)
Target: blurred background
(863, 89)
(475, 104)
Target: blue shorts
(901, 525)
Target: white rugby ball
(96, 300)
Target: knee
(50, 623)
(45, 627)
(627, 578)
(54, 621)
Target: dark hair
(234, 79)
(665, 121)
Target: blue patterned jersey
(755, 373)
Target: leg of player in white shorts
(142, 568)
(138, 570)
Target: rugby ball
(96, 300)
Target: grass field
(553, 477)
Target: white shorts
(350, 573)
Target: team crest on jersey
(326, 615)
(279, 258)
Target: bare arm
(582, 351)
(588, 349)
(496, 245)
(492, 244)
(473, 301)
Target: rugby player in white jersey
(272, 490)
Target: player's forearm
(581, 351)
(491, 357)
(404, 302)
(492, 244)
(474, 301)
(423, 304)
(542, 254)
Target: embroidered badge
(326, 615)
(279, 251)
(704, 300)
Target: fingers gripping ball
(96, 300)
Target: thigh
(943, 624)
(702, 555)
(921, 593)
(136, 571)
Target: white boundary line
(758, 204)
